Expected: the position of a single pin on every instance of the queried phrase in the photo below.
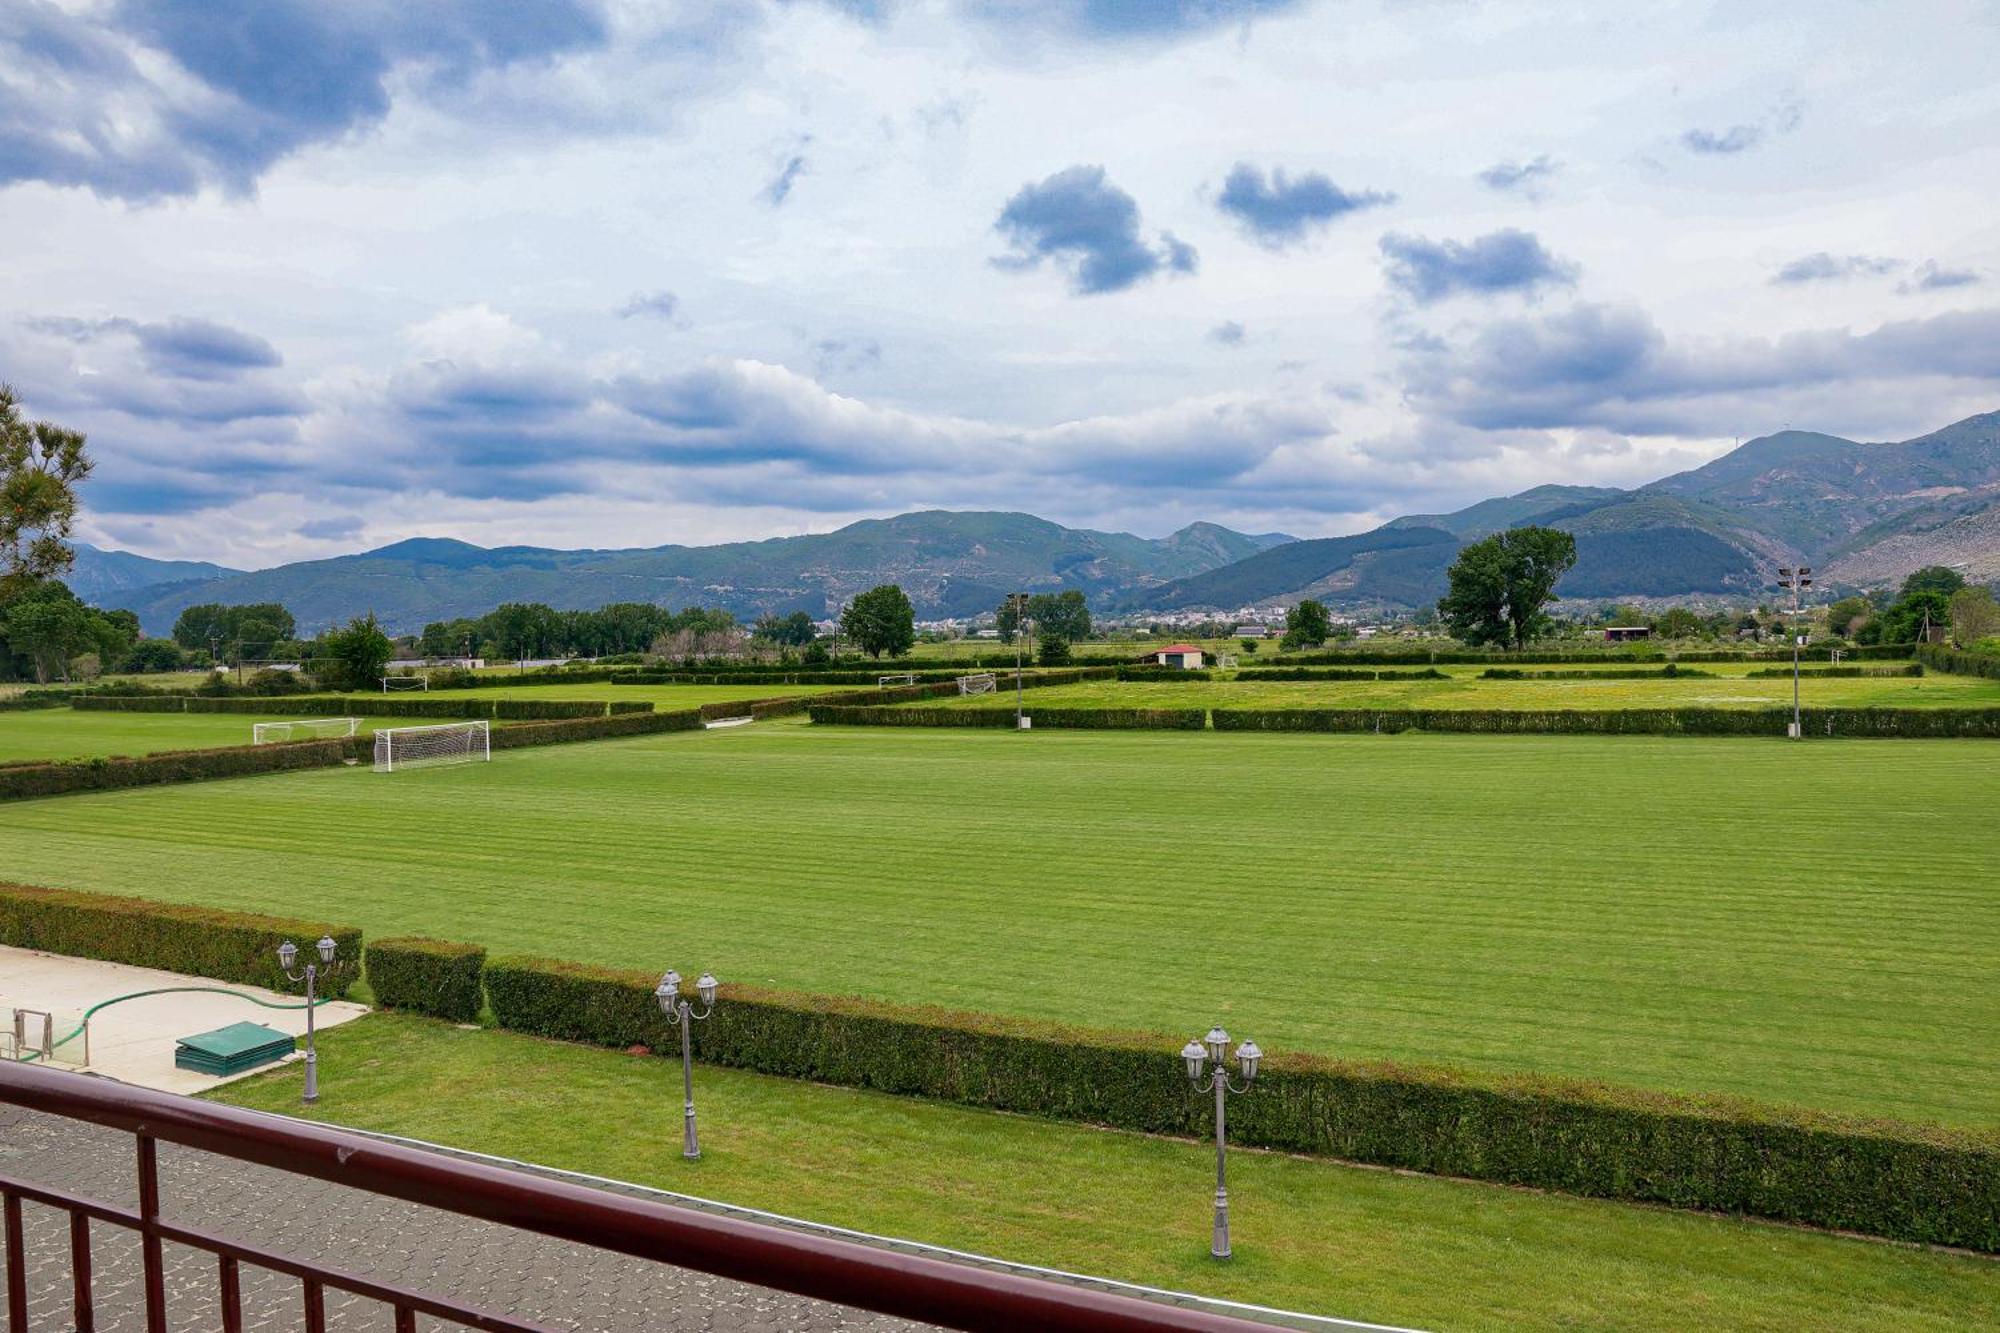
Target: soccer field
(1813, 923)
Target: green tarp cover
(231, 1050)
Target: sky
(318, 277)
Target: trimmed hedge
(1608, 656)
(1166, 675)
(1336, 674)
(1865, 723)
(31, 700)
(1067, 719)
(368, 705)
(1671, 671)
(1773, 673)
(525, 734)
(1915, 1183)
(437, 977)
(200, 941)
(1957, 662)
(27, 781)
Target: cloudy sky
(317, 276)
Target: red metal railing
(844, 1272)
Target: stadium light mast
(678, 1009)
(1215, 1046)
(1795, 581)
(288, 953)
(1020, 604)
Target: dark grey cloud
(1080, 221)
(1612, 367)
(1124, 20)
(652, 305)
(1523, 178)
(1502, 261)
(1734, 139)
(1229, 333)
(779, 187)
(202, 350)
(1825, 267)
(1284, 210)
(252, 81)
(1932, 276)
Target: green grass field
(64, 733)
(665, 698)
(1812, 923)
(1465, 690)
(1309, 1235)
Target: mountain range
(1864, 514)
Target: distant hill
(103, 577)
(950, 563)
(1864, 514)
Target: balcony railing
(821, 1267)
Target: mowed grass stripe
(1809, 923)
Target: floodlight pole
(677, 1009)
(287, 952)
(1795, 580)
(1020, 600)
(1215, 1046)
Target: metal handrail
(821, 1267)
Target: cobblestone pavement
(499, 1270)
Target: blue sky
(317, 277)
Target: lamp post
(678, 1009)
(1020, 602)
(288, 954)
(1795, 581)
(1215, 1046)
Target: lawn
(1309, 1235)
(1464, 689)
(63, 733)
(1814, 923)
(665, 698)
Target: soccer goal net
(420, 747)
(409, 682)
(1227, 661)
(981, 683)
(310, 728)
(900, 678)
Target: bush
(1773, 673)
(1067, 719)
(1670, 671)
(1957, 663)
(1336, 674)
(32, 700)
(1159, 675)
(593, 729)
(1863, 723)
(28, 781)
(436, 977)
(1913, 1183)
(200, 941)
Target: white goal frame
(316, 728)
(412, 681)
(398, 748)
(898, 678)
(1225, 661)
(980, 683)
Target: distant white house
(1183, 655)
(1252, 632)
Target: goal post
(981, 682)
(398, 748)
(310, 728)
(898, 678)
(411, 681)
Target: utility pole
(1795, 581)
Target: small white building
(1253, 632)
(1183, 655)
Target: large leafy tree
(353, 658)
(793, 631)
(1499, 586)
(1932, 578)
(41, 465)
(881, 620)
(1307, 625)
(44, 627)
(1974, 615)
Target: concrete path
(134, 1041)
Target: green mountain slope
(101, 577)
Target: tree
(1053, 650)
(1678, 623)
(1307, 625)
(41, 465)
(354, 658)
(45, 626)
(1913, 616)
(793, 631)
(1974, 615)
(881, 620)
(260, 625)
(1842, 616)
(155, 655)
(1060, 615)
(1931, 578)
(1500, 585)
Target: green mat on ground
(231, 1050)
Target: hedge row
(28, 702)
(1957, 662)
(1068, 719)
(434, 977)
(1553, 657)
(26, 781)
(388, 705)
(592, 729)
(1862, 723)
(1914, 1183)
(1772, 673)
(1166, 675)
(1335, 674)
(1671, 671)
(200, 941)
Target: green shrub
(1913, 1183)
(28, 702)
(547, 710)
(1959, 663)
(1864, 723)
(1671, 671)
(592, 729)
(1067, 719)
(1160, 675)
(27, 781)
(200, 941)
(1336, 674)
(436, 977)
(1850, 672)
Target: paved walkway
(134, 1041)
(530, 1277)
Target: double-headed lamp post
(677, 1008)
(288, 953)
(1795, 581)
(1215, 1046)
